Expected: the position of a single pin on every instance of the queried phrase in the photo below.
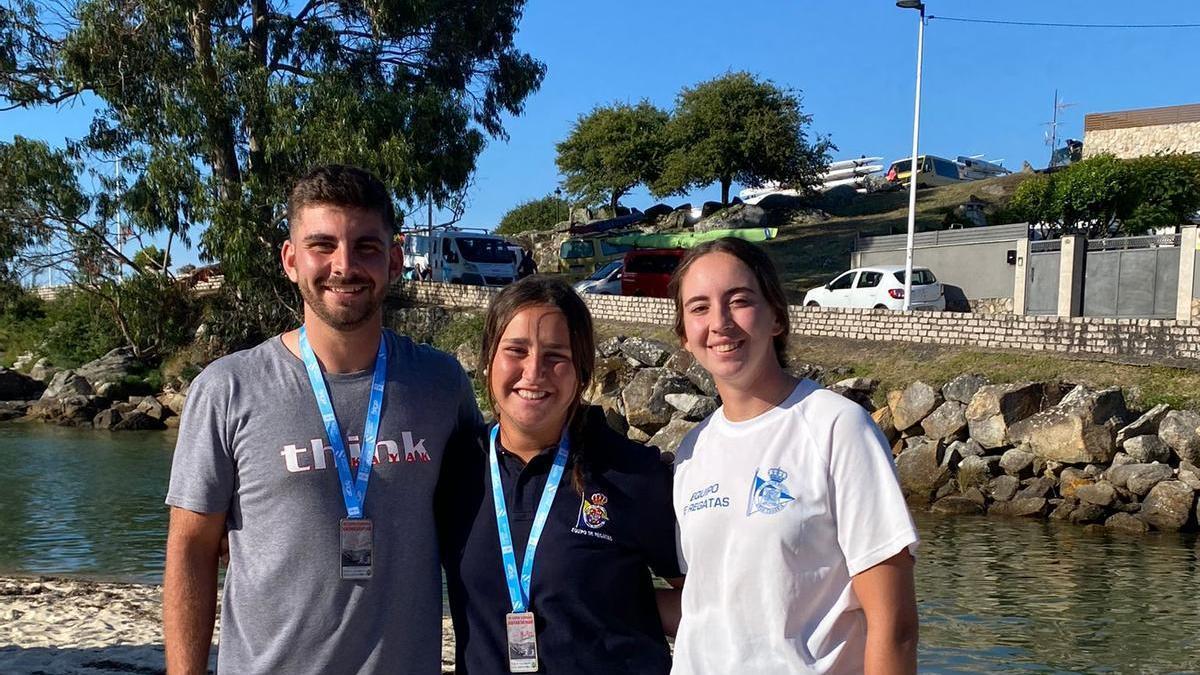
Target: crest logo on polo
(317, 456)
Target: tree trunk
(222, 151)
(616, 197)
(255, 116)
(725, 182)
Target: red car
(648, 271)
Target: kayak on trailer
(690, 239)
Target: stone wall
(1144, 338)
(1140, 141)
(992, 305)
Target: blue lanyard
(354, 491)
(518, 589)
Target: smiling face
(342, 260)
(728, 326)
(532, 375)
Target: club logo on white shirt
(771, 495)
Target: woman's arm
(888, 599)
(669, 607)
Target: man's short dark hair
(343, 186)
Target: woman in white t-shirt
(795, 538)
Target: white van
(459, 257)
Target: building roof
(1145, 117)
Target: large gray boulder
(1168, 507)
(1026, 507)
(693, 406)
(1077, 430)
(1147, 424)
(1180, 429)
(701, 379)
(922, 472)
(606, 379)
(67, 383)
(1147, 449)
(1144, 477)
(957, 505)
(645, 399)
(734, 217)
(975, 471)
(1003, 488)
(1127, 523)
(15, 386)
(138, 421)
(1100, 494)
(610, 346)
(947, 421)
(963, 388)
(914, 404)
(668, 438)
(647, 352)
(110, 369)
(997, 406)
(1017, 462)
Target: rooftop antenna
(1052, 132)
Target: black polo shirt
(591, 590)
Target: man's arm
(190, 589)
(889, 602)
(669, 605)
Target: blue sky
(987, 88)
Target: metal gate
(1041, 279)
(1131, 277)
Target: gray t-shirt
(251, 444)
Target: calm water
(995, 596)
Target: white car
(879, 287)
(604, 281)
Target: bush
(22, 322)
(78, 329)
(535, 215)
(160, 313)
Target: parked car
(648, 271)
(879, 287)
(605, 281)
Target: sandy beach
(55, 626)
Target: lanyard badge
(520, 623)
(355, 531)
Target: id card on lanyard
(520, 624)
(355, 532)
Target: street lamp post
(912, 175)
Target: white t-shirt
(776, 513)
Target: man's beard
(342, 318)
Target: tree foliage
(739, 128)
(1103, 195)
(214, 108)
(611, 150)
(152, 260)
(534, 215)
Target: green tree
(611, 150)
(153, 260)
(739, 128)
(1166, 192)
(534, 215)
(214, 108)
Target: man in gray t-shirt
(254, 462)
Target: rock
(669, 437)
(1039, 486)
(112, 368)
(733, 217)
(637, 435)
(11, 410)
(914, 404)
(1189, 474)
(945, 491)
(150, 406)
(17, 387)
(1168, 507)
(68, 383)
(79, 411)
(606, 380)
(1147, 449)
(883, 420)
(1002, 488)
(996, 406)
(42, 371)
(1065, 507)
(867, 384)
(693, 406)
(1144, 477)
(1147, 424)
(468, 358)
(1076, 430)
(701, 379)
(644, 397)
(956, 505)
(1180, 429)
(174, 400)
(1100, 494)
(138, 421)
(610, 347)
(1124, 522)
(649, 353)
(679, 361)
(1122, 458)
(1034, 507)
(963, 388)
(106, 419)
(1071, 479)
(974, 471)
(1017, 462)
(1088, 513)
(946, 421)
(657, 211)
(967, 448)
(921, 472)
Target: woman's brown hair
(545, 291)
(759, 264)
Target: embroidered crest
(593, 513)
(771, 495)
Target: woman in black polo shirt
(601, 504)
